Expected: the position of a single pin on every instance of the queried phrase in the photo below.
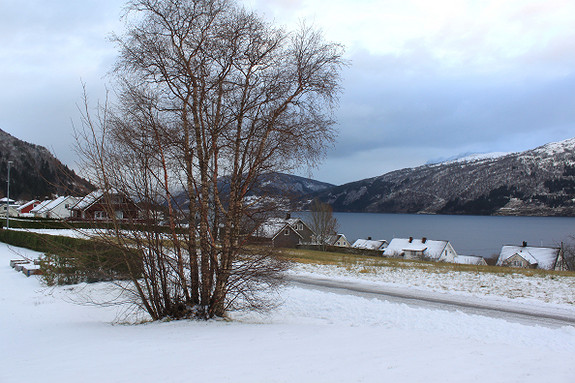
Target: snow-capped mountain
(540, 181)
(287, 190)
(467, 157)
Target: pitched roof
(53, 204)
(272, 227)
(368, 244)
(88, 200)
(543, 257)
(334, 238)
(21, 207)
(430, 248)
(40, 206)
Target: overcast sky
(428, 80)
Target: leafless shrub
(207, 91)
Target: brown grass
(367, 264)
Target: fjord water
(469, 235)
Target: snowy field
(312, 337)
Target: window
(99, 215)
(286, 232)
(300, 226)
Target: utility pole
(8, 198)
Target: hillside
(535, 182)
(289, 190)
(35, 172)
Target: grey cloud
(424, 108)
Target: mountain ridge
(536, 182)
(35, 173)
(539, 181)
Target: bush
(72, 260)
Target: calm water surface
(469, 235)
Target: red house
(28, 206)
(99, 206)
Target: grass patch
(70, 260)
(368, 264)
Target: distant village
(294, 232)
(291, 232)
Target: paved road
(511, 311)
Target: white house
(370, 244)
(470, 260)
(547, 258)
(58, 208)
(338, 240)
(35, 210)
(8, 205)
(411, 248)
(11, 210)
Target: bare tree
(210, 97)
(569, 253)
(322, 222)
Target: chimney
(410, 239)
(288, 216)
(423, 240)
(369, 238)
(524, 244)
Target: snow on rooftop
(369, 244)
(88, 199)
(430, 248)
(40, 206)
(269, 229)
(543, 257)
(24, 206)
(51, 204)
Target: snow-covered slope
(535, 182)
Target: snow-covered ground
(312, 337)
(539, 289)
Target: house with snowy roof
(412, 248)
(24, 209)
(532, 257)
(58, 208)
(39, 206)
(370, 244)
(8, 207)
(284, 232)
(338, 240)
(301, 228)
(102, 206)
